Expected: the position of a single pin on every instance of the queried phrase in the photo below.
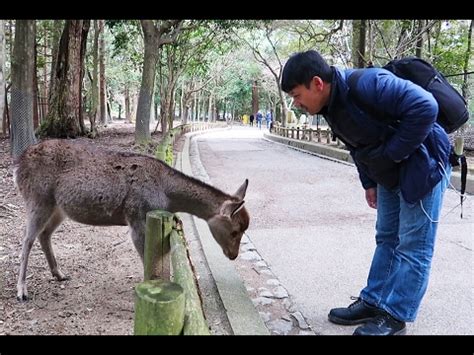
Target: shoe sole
(401, 332)
(342, 321)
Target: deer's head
(229, 225)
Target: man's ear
(318, 83)
(242, 190)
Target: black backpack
(452, 113)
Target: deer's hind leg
(45, 240)
(37, 218)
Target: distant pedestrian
(252, 117)
(269, 119)
(259, 119)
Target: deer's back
(91, 185)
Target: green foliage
(450, 52)
(216, 52)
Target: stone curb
(243, 317)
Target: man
(402, 156)
(269, 119)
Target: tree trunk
(419, 41)
(93, 114)
(171, 106)
(44, 95)
(254, 98)
(209, 108)
(181, 104)
(23, 68)
(2, 76)
(103, 113)
(467, 58)
(57, 30)
(65, 116)
(35, 89)
(284, 108)
(358, 43)
(196, 106)
(142, 124)
(128, 114)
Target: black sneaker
(383, 324)
(357, 312)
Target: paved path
(311, 225)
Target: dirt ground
(101, 262)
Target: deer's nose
(231, 255)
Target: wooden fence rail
(167, 302)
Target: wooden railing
(167, 302)
(318, 135)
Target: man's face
(310, 99)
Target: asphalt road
(311, 224)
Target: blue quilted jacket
(398, 144)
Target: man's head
(307, 78)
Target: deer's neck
(186, 194)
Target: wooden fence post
(156, 261)
(159, 308)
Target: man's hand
(371, 197)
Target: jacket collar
(338, 87)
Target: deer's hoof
(22, 298)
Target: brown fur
(60, 178)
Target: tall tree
(102, 89)
(420, 38)
(467, 59)
(155, 35)
(58, 26)
(23, 68)
(65, 118)
(2, 71)
(95, 80)
(255, 98)
(358, 43)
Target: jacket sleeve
(415, 108)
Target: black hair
(301, 67)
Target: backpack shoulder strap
(463, 178)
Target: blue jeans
(405, 239)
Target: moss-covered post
(161, 152)
(157, 245)
(159, 308)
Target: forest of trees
(69, 78)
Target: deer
(58, 178)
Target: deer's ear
(230, 208)
(242, 190)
